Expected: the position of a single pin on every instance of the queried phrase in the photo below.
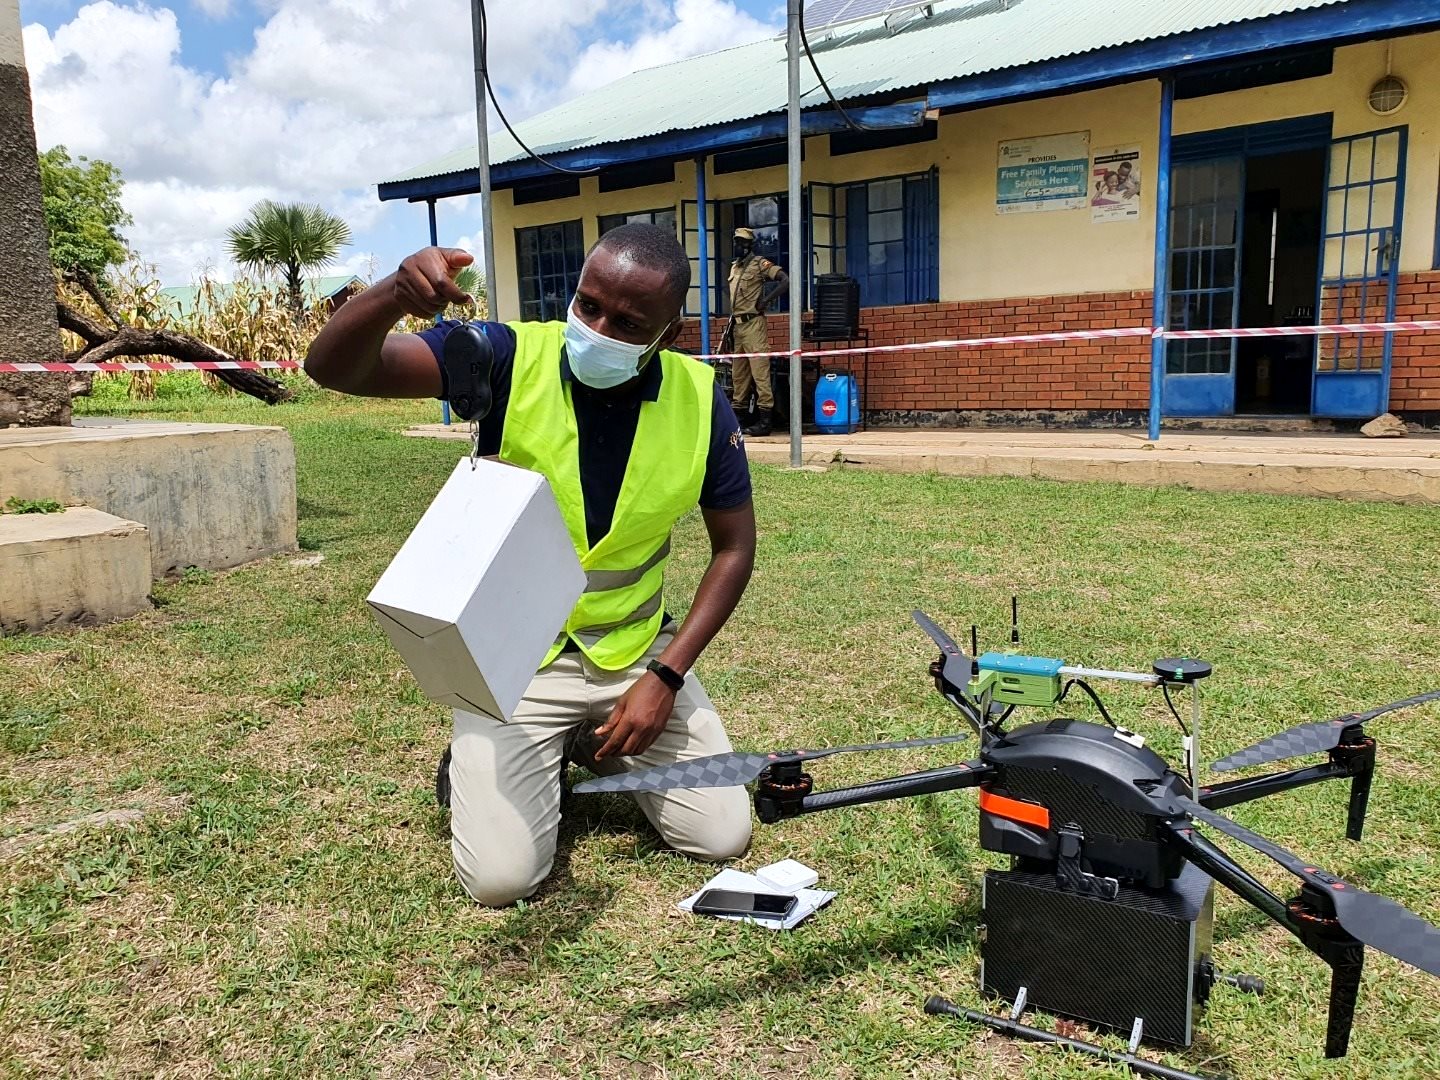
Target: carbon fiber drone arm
(1219, 796)
(780, 796)
(1232, 875)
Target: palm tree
(288, 239)
(469, 281)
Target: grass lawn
(280, 900)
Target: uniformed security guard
(631, 437)
(749, 299)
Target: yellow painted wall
(985, 255)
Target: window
(549, 258)
(884, 233)
(664, 218)
(768, 216)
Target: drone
(1104, 914)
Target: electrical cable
(967, 710)
(1189, 763)
(852, 124)
(490, 90)
(1093, 697)
(1165, 688)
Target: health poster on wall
(1047, 172)
(1115, 184)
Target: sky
(208, 106)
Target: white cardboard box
(479, 591)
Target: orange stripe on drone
(1024, 812)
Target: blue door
(1365, 192)
(1205, 230)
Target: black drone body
(1065, 782)
(1104, 913)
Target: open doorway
(1280, 256)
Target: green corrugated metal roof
(184, 297)
(962, 38)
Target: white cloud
(693, 27)
(332, 96)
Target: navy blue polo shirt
(605, 421)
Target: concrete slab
(211, 495)
(1336, 466)
(77, 567)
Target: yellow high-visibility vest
(619, 616)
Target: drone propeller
(735, 768)
(1310, 738)
(1379, 922)
(957, 667)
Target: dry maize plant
(249, 318)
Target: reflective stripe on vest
(604, 580)
(619, 616)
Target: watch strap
(666, 674)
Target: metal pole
(1195, 741)
(487, 221)
(794, 223)
(702, 211)
(1162, 256)
(435, 242)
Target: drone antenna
(1014, 620)
(974, 640)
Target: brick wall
(1065, 375)
(1415, 358)
(1088, 376)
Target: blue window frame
(768, 215)
(664, 218)
(1205, 231)
(549, 258)
(885, 233)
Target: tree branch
(72, 320)
(87, 282)
(104, 345)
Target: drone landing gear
(938, 1006)
(1346, 958)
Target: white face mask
(600, 361)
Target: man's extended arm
(356, 351)
(641, 714)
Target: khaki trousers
(751, 336)
(505, 778)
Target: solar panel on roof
(822, 14)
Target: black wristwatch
(668, 675)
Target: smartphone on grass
(749, 904)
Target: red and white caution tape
(1409, 326)
(951, 343)
(160, 365)
(1304, 331)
